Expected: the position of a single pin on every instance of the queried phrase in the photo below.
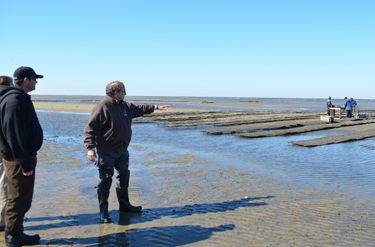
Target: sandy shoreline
(86, 108)
(188, 200)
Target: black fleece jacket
(21, 135)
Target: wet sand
(188, 200)
(84, 108)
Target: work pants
(107, 163)
(3, 193)
(349, 113)
(20, 193)
(110, 160)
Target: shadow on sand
(169, 235)
(161, 236)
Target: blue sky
(218, 48)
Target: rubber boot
(12, 238)
(103, 194)
(29, 239)
(123, 199)
(123, 195)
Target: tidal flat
(199, 189)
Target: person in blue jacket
(348, 107)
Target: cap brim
(38, 76)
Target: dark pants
(108, 162)
(20, 193)
(349, 113)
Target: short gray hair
(113, 87)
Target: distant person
(354, 104)
(343, 107)
(348, 107)
(109, 131)
(5, 81)
(21, 136)
(329, 105)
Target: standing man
(109, 131)
(329, 104)
(348, 107)
(21, 136)
(5, 81)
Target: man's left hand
(162, 107)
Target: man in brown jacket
(109, 131)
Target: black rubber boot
(29, 239)
(123, 199)
(12, 238)
(103, 194)
(123, 195)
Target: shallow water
(347, 166)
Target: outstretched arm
(162, 107)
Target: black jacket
(21, 135)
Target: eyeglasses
(123, 91)
(32, 78)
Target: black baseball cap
(23, 72)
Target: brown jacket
(109, 126)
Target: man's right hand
(91, 155)
(28, 173)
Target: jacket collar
(112, 101)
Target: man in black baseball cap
(23, 72)
(21, 136)
(25, 78)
